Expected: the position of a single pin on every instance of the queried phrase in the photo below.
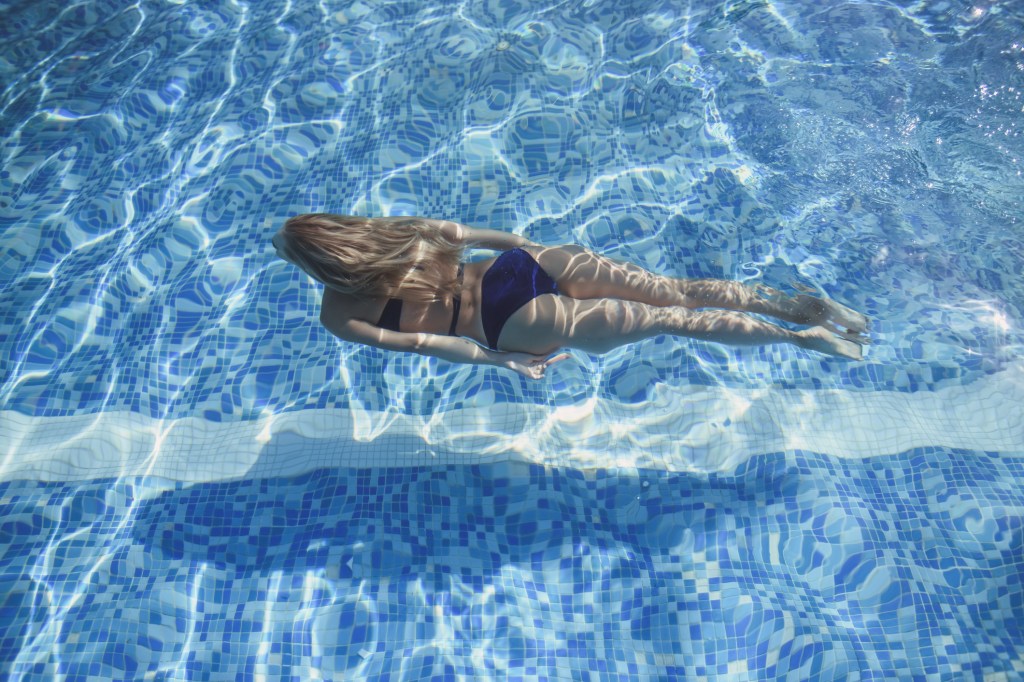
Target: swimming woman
(400, 284)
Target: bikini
(512, 281)
(392, 313)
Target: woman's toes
(822, 340)
(847, 317)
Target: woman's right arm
(450, 348)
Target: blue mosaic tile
(153, 151)
(797, 566)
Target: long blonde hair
(407, 258)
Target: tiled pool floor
(795, 566)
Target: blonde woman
(401, 284)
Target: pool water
(198, 481)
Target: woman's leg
(550, 322)
(582, 274)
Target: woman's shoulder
(339, 306)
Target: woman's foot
(825, 311)
(824, 341)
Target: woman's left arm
(473, 237)
(493, 239)
(480, 238)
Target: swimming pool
(200, 482)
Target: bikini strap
(456, 304)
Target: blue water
(868, 152)
(791, 567)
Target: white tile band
(680, 429)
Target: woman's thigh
(550, 322)
(583, 274)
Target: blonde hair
(407, 258)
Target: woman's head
(399, 257)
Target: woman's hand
(529, 365)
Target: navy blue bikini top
(392, 314)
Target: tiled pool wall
(697, 428)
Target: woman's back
(433, 317)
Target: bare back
(430, 318)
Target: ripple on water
(353, 615)
(528, 136)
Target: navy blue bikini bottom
(512, 281)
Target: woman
(399, 284)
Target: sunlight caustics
(696, 429)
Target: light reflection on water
(854, 167)
(867, 152)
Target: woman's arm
(472, 237)
(480, 238)
(492, 239)
(450, 348)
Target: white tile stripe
(681, 429)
